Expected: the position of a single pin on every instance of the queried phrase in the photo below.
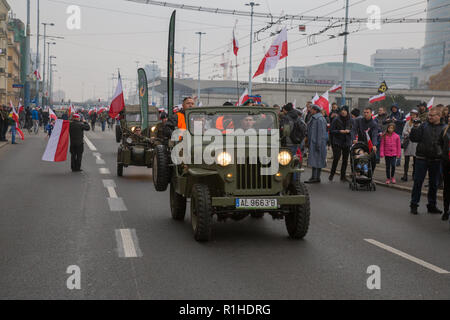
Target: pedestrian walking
(103, 117)
(409, 148)
(45, 118)
(76, 132)
(12, 124)
(444, 142)
(382, 122)
(340, 134)
(35, 118)
(49, 127)
(428, 159)
(93, 118)
(366, 126)
(317, 144)
(390, 149)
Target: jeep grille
(249, 177)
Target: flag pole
(237, 79)
(285, 82)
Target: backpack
(298, 130)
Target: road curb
(392, 186)
(2, 144)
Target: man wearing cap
(317, 141)
(423, 112)
(76, 131)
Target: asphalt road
(51, 218)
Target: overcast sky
(117, 33)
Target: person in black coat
(76, 132)
(340, 132)
(444, 142)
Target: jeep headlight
(153, 128)
(284, 158)
(133, 128)
(223, 159)
(129, 140)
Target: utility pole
(48, 65)
(27, 58)
(252, 5)
(153, 81)
(344, 81)
(38, 62)
(137, 82)
(45, 60)
(199, 60)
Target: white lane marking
(127, 243)
(112, 192)
(109, 183)
(407, 256)
(97, 155)
(104, 171)
(100, 161)
(116, 205)
(90, 144)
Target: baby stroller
(361, 163)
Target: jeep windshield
(136, 117)
(225, 122)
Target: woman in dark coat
(340, 132)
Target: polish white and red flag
(430, 104)
(277, 51)
(15, 117)
(235, 44)
(369, 140)
(316, 97)
(376, 98)
(71, 110)
(37, 74)
(243, 98)
(324, 102)
(58, 144)
(118, 102)
(52, 114)
(101, 110)
(335, 88)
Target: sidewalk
(3, 143)
(379, 176)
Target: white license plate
(256, 203)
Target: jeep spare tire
(118, 133)
(161, 168)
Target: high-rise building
(436, 52)
(4, 9)
(397, 67)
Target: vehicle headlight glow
(133, 128)
(223, 159)
(284, 158)
(153, 128)
(129, 141)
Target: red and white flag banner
(369, 141)
(430, 104)
(37, 74)
(316, 97)
(118, 102)
(15, 117)
(335, 88)
(243, 98)
(235, 45)
(52, 114)
(324, 102)
(376, 98)
(277, 51)
(58, 144)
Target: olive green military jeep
(136, 148)
(234, 184)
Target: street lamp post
(48, 65)
(199, 60)
(51, 65)
(252, 5)
(45, 58)
(38, 62)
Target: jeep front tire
(201, 212)
(177, 204)
(297, 220)
(160, 168)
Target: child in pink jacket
(390, 149)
